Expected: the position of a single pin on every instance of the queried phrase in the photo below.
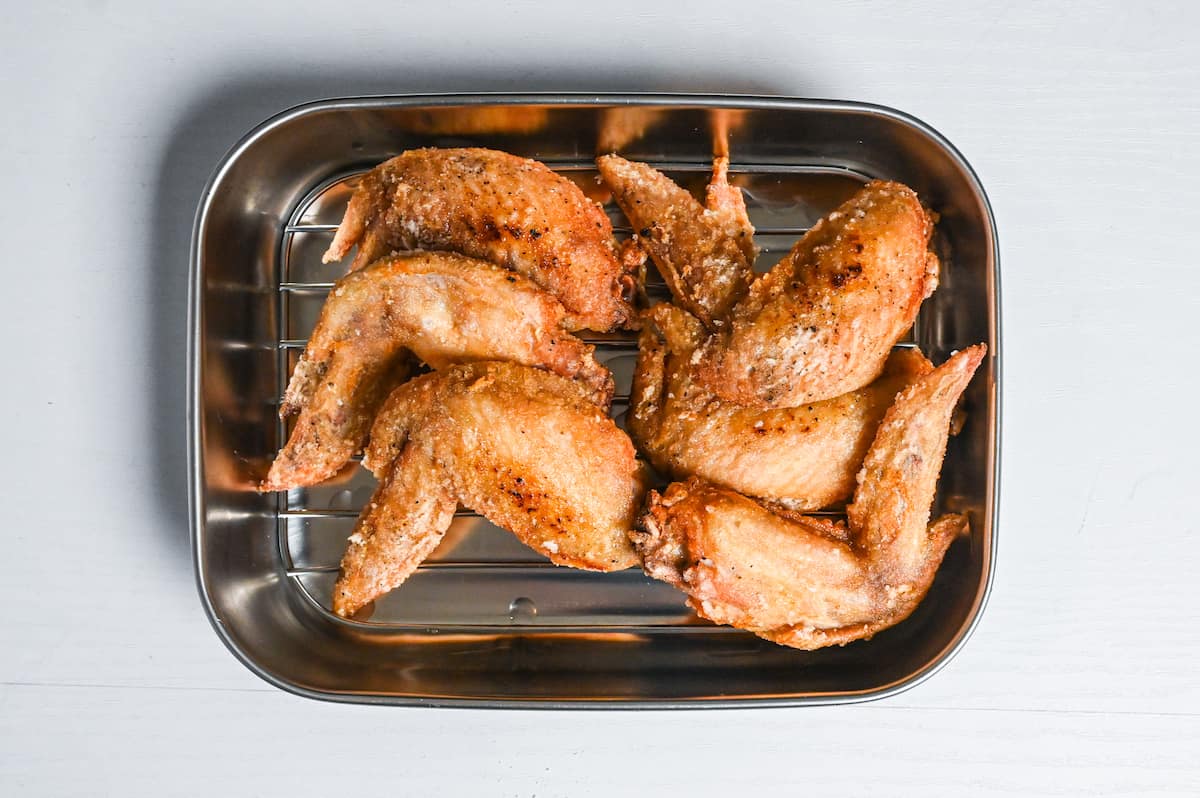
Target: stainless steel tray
(487, 622)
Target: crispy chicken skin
(804, 457)
(405, 521)
(705, 254)
(441, 307)
(511, 211)
(823, 321)
(406, 409)
(528, 450)
(809, 582)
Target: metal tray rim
(194, 424)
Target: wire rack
(481, 578)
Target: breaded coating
(514, 212)
(822, 322)
(705, 254)
(404, 522)
(803, 457)
(528, 450)
(443, 308)
(808, 582)
(405, 410)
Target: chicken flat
(511, 211)
(803, 457)
(441, 307)
(529, 450)
(705, 254)
(822, 322)
(810, 582)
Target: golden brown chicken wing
(803, 457)
(823, 321)
(404, 522)
(511, 211)
(442, 307)
(705, 254)
(528, 450)
(809, 582)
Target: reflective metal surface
(487, 622)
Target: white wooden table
(1083, 122)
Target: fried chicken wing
(406, 409)
(528, 450)
(823, 321)
(804, 457)
(404, 522)
(808, 582)
(442, 307)
(511, 211)
(705, 254)
(557, 472)
(724, 202)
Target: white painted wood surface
(1083, 121)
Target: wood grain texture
(1081, 120)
